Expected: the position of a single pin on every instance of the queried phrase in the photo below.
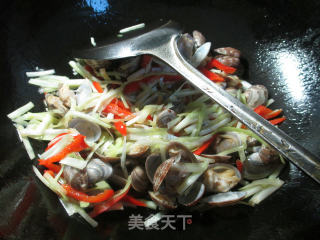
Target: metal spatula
(162, 43)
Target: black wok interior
(280, 45)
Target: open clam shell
(176, 148)
(161, 173)
(153, 161)
(200, 54)
(163, 200)
(221, 177)
(198, 38)
(138, 150)
(91, 130)
(193, 195)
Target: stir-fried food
(133, 132)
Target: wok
(279, 41)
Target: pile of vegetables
(134, 132)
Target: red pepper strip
(54, 141)
(105, 206)
(212, 76)
(273, 114)
(134, 201)
(97, 86)
(277, 120)
(262, 110)
(121, 127)
(77, 145)
(117, 206)
(145, 60)
(214, 63)
(116, 110)
(135, 86)
(204, 146)
(81, 196)
(52, 167)
(239, 165)
(119, 103)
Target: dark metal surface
(280, 44)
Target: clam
(176, 175)
(221, 177)
(256, 95)
(138, 150)
(163, 200)
(186, 46)
(98, 170)
(260, 164)
(227, 141)
(176, 148)
(224, 199)
(166, 175)
(91, 130)
(76, 178)
(200, 54)
(228, 60)
(139, 179)
(153, 161)
(117, 180)
(198, 37)
(95, 171)
(106, 158)
(53, 102)
(229, 51)
(66, 95)
(164, 117)
(83, 92)
(192, 195)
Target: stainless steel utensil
(162, 43)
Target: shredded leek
(20, 111)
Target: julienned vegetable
(135, 128)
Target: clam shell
(164, 117)
(176, 148)
(161, 173)
(200, 54)
(152, 163)
(198, 37)
(163, 200)
(138, 150)
(91, 130)
(194, 194)
(139, 179)
(98, 170)
(221, 177)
